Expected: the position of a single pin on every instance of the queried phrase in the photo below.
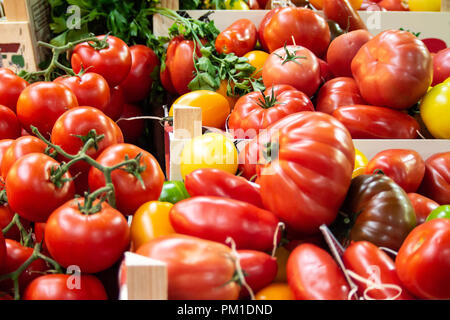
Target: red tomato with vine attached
(240, 37)
(138, 83)
(6, 216)
(257, 110)
(69, 230)
(436, 182)
(9, 125)
(91, 89)
(11, 86)
(29, 181)
(296, 26)
(131, 191)
(422, 262)
(338, 92)
(292, 65)
(112, 61)
(406, 167)
(422, 206)
(42, 103)
(390, 64)
(55, 287)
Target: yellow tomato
(282, 256)
(356, 4)
(236, 5)
(257, 58)
(424, 5)
(211, 150)
(215, 108)
(435, 110)
(275, 291)
(150, 221)
(360, 163)
(223, 91)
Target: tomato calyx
(92, 135)
(100, 44)
(268, 101)
(290, 56)
(90, 206)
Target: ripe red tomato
(314, 275)
(262, 25)
(436, 182)
(390, 64)
(338, 92)
(260, 270)
(132, 129)
(368, 261)
(422, 206)
(342, 12)
(422, 262)
(406, 167)
(304, 26)
(79, 122)
(371, 122)
(343, 49)
(197, 269)
(325, 71)
(28, 182)
(112, 62)
(138, 83)
(18, 148)
(4, 145)
(257, 110)
(16, 255)
(11, 86)
(307, 182)
(69, 236)
(240, 37)
(116, 103)
(130, 193)
(41, 104)
(9, 125)
(441, 66)
(91, 89)
(6, 216)
(216, 219)
(293, 65)
(394, 5)
(55, 287)
(2, 250)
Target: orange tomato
(223, 91)
(356, 4)
(215, 108)
(257, 58)
(275, 291)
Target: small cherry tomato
(257, 58)
(275, 291)
(441, 212)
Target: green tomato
(442, 212)
(173, 191)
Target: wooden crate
(26, 23)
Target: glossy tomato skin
(314, 275)
(215, 182)
(9, 125)
(393, 5)
(132, 129)
(275, 291)
(406, 167)
(344, 14)
(422, 206)
(370, 262)
(325, 71)
(378, 211)
(308, 29)
(254, 111)
(116, 104)
(112, 62)
(240, 37)
(18, 148)
(197, 269)
(260, 270)
(338, 92)
(68, 235)
(130, 193)
(422, 264)
(342, 50)
(6, 216)
(379, 69)
(42, 103)
(372, 122)
(11, 86)
(216, 219)
(441, 66)
(54, 287)
(314, 175)
(302, 73)
(262, 25)
(91, 89)
(436, 182)
(138, 83)
(28, 182)
(16, 255)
